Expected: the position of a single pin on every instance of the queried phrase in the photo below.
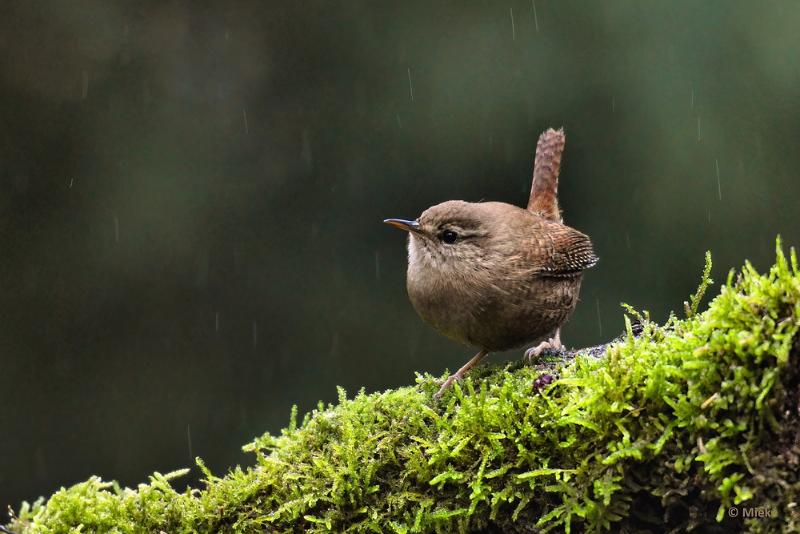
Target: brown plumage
(493, 275)
(546, 167)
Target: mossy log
(692, 425)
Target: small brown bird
(496, 276)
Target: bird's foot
(458, 375)
(455, 377)
(533, 353)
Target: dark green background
(169, 166)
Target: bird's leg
(458, 375)
(533, 353)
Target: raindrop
(719, 185)
(243, 414)
(84, 84)
(513, 27)
(410, 86)
(237, 259)
(306, 153)
(613, 104)
(399, 122)
(334, 344)
(189, 441)
(147, 95)
(244, 116)
(413, 345)
(691, 102)
(255, 334)
(116, 229)
(599, 321)
(709, 215)
(70, 183)
(628, 239)
(535, 18)
(698, 130)
(40, 462)
(203, 267)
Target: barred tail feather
(544, 189)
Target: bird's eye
(448, 236)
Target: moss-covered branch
(672, 427)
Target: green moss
(672, 426)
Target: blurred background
(191, 195)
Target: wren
(495, 276)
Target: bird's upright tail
(546, 166)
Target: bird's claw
(458, 375)
(533, 353)
(455, 377)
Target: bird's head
(454, 235)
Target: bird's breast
(443, 300)
(491, 310)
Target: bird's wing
(566, 252)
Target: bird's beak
(408, 226)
